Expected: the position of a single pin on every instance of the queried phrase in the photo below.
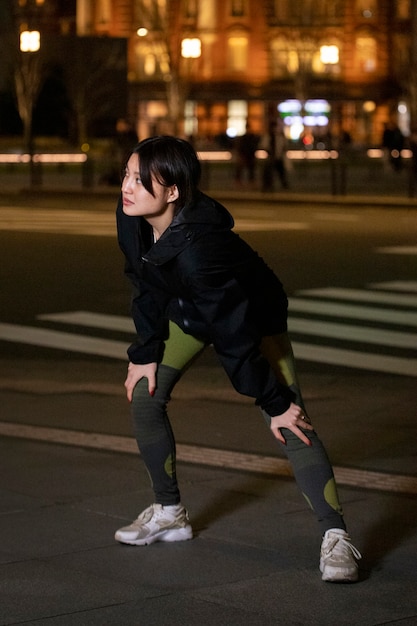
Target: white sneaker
(338, 557)
(157, 523)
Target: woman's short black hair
(171, 161)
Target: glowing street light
(28, 77)
(30, 41)
(329, 55)
(191, 48)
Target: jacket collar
(202, 216)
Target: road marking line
(311, 327)
(303, 305)
(227, 459)
(396, 285)
(355, 359)
(337, 217)
(68, 222)
(362, 296)
(93, 320)
(349, 332)
(117, 349)
(254, 225)
(74, 222)
(64, 341)
(397, 250)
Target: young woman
(197, 283)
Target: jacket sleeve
(146, 311)
(150, 324)
(224, 306)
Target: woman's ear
(173, 193)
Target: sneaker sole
(338, 575)
(176, 534)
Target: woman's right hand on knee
(137, 371)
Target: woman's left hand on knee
(295, 420)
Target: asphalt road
(350, 272)
(69, 469)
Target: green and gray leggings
(312, 469)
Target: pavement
(70, 476)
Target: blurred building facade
(206, 68)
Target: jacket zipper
(181, 305)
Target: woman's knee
(166, 379)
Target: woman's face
(137, 201)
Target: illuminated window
(366, 54)
(84, 17)
(190, 118)
(238, 53)
(279, 57)
(293, 63)
(149, 64)
(207, 14)
(326, 59)
(403, 9)
(103, 12)
(237, 115)
(297, 117)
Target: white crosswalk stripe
(383, 318)
(373, 317)
(408, 250)
(68, 222)
(360, 295)
(63, 341)
(102, 223)
(341, 309)
(409, 286)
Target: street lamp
(30, 41)
(329, 55)
(28, 82)
(191, 48)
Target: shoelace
(144, 517)
(345, 545)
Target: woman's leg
(312, 469)
(151, 424)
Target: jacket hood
(204, 210)
(200, 217)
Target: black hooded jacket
(201, 275)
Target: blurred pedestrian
(393, 144)
(275, 143)
(412, 143)
(245, 147)
(197, 283)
